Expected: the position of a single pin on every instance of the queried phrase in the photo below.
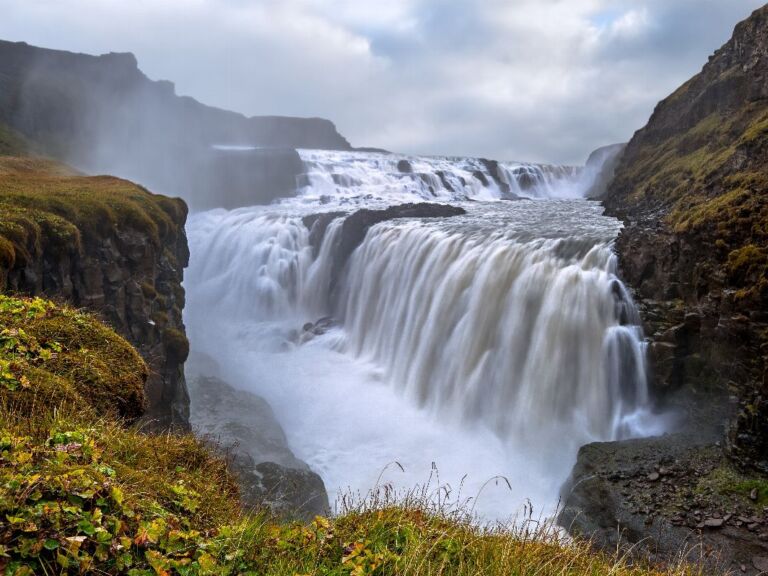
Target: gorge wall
(692, 190)
(107, 245)
(103, 115)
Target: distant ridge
(102, 114)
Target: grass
(51, 355)
(48, 208)
(81, 491)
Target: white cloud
(527, 79)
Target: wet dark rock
(356, 226)
(310, 329)
(482, 177)
(404, 166)
(317, 224)
(654, 519)
(444, 180)
(242, 426)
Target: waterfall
(506, 333)
(497, 342)
(352, 176)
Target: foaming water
(496, 331)
(494, 343)
(333, 176)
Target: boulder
(243, 427)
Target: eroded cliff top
(700, 165)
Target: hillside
(103, 115)
(692, 189)
(693, 185)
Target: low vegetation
(711, 183)
(11, 143)
(81, 491)
(48, 208)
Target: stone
(404, 166)
(243, 427)
(653, 476)
(714, 523)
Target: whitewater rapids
(494, 343)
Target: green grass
(51, 355)
(48, 208)
(83, 492)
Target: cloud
(544, 80)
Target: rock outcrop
(107, 245)
(692, 187)
(243, 426)
(356, 226)
(692, 190)
(103, 115)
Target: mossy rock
(49, 208)
(52, 355)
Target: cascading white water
(333, 176)
(507, 333)
(492, 343)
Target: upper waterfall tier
(341, 176)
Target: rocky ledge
(356, 226)
(108, 245)
(243, 427)
(667, 498)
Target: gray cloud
(543, 80)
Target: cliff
(103, 115)
(692, 189)
(107, 245)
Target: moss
(176, 344)
(748, 263)
(54, 355)
(160, 319)
(148, 290)
(49, 208)
(727, 481)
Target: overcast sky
(538, 80)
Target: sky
(529, 80)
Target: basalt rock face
(601, 165)
(103, 115)
(692, 187)
(109, 246)
(692, 190)
(356, 226)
